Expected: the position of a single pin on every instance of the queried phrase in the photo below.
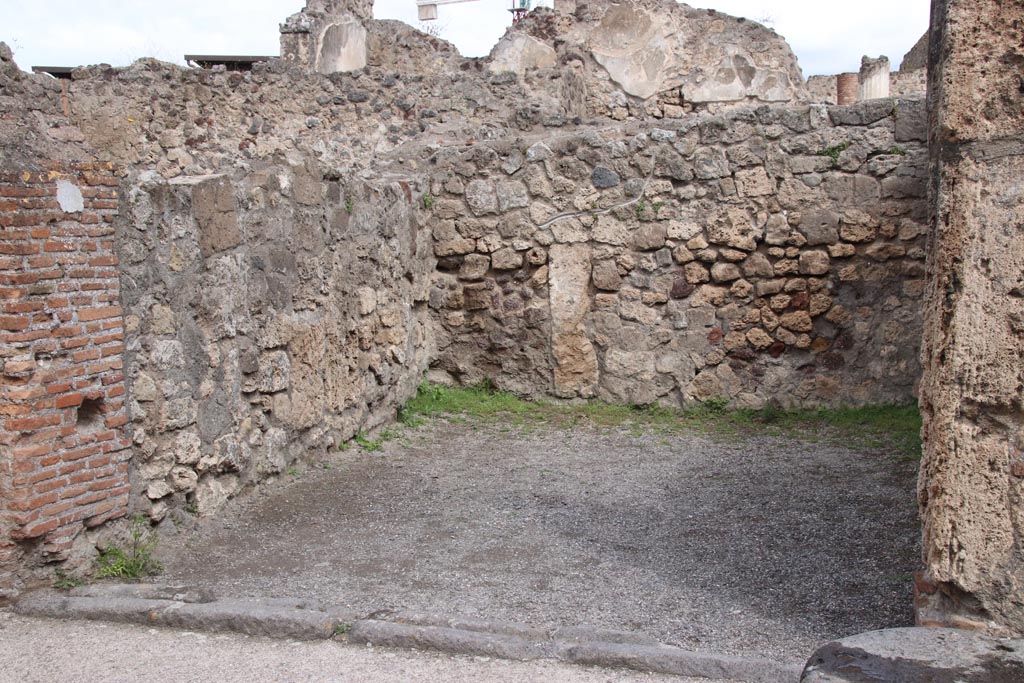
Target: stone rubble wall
(64, 447)
(650, 58)
(180, 121)
(971, 487)
(768, 255)
(271, 316)
(296, 250)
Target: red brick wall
(63, 447)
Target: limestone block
(273, 374)
(576, 370)
(695, 273)
(819, 226)
(177, 414)
(606, 276)
(213, 492)
(725, 272)
(183, 479)
(734, 229)
(144, 388)
(475, 267)
(796, 321)
(650, 236)
(611, 230)
(158, 490)
(506, 259)
(367, 300)
(754, 182)
(481, 197)
(815, 262)
(518, 52)
(512, 194)
(214, 208)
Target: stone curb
(181, 607)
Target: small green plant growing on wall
(350, 205)
(134, 561)
(64, 580)
(834, 151)
(428, 201)
(896, 149)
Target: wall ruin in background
(296, 248)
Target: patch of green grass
(834, 151)
(341, 629)
(479, 401)
(895, 428)
(136, 560)
(428, 201)
(63, 580)
(373, 445)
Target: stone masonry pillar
(971, 488)
(874, 79)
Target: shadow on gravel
(758, 545)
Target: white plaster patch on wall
(69, 197)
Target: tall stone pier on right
(971, 488)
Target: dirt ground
(750, 546)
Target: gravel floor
(761, 545)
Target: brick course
(64, 461)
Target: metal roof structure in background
(230, 62)
(62, 72)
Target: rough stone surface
(576, 370)
(651, 47)
(749, 278)
(972, 475)
(112, 653)
(917, 655)
(518, 52)
(261, 361)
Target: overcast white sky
(828, 36)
